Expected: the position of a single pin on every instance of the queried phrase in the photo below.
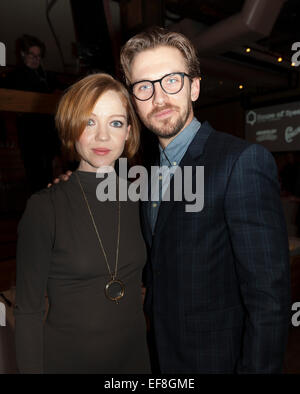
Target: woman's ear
(128, 132)
(195, 89)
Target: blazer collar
(193, 153)
(196, 148)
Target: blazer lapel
(191, 158)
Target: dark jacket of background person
(30, 80)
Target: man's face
(32, 58)
(164, 114)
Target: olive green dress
(58, 254)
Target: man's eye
(117, 123)
(90, 122)
(145, 87)
(172, 80)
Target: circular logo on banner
(251, 118)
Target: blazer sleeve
(260, 244)
(34, 250)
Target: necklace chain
(113, 275)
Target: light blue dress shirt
(171, 157)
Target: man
(30, 74)
(218, 284)
(38, 140)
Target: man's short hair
(77, 104)
(158, 37)
(27, 41)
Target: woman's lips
(101, 151)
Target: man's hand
(62, 177)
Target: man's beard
(167, 129)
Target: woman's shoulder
(39, 206)
(47, 198)
(38, 212)
(55, 190)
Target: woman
(87, 255)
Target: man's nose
(159, 96)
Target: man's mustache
(160, 109)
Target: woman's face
(103, 139)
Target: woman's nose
(102, 134)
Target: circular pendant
(115, 290)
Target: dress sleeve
(34, 251)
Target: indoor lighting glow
(279, 59)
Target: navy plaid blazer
(218, 280)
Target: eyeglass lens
(171, 84)
(33, 55)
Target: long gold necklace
(115, 288)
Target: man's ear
(195, 89)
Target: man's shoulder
(228, 144)
(225, 149)
(225, 137)
(231, 149)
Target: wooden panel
(19, 101)
(131, 14)
(7, 274)
(8, 230)
(152, 13)
(7, 250)
(8, 241)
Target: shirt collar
(176, 149)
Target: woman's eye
(116, 123)
(90, 122)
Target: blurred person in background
(38, 140)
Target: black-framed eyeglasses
(170, 83)
(34, 56)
